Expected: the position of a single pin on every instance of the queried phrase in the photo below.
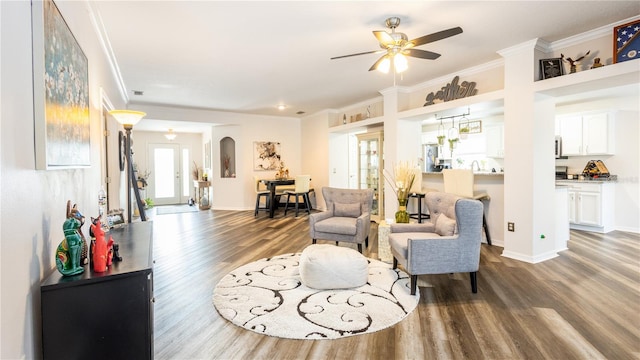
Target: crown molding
(101, 33)
(597, 33)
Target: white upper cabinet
(495, 141)
(587, 134)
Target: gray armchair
(347, 219)
(448, 243)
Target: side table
(202, 194)
(384, 250)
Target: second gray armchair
(347, 219)
(448, 243)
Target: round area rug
(268, 297)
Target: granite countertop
(611, 178)
(591, 181)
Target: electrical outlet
(511, 226)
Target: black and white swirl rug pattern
(267, 296)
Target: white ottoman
(325, 266)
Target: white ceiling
(247, 57)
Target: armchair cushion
(400, 241)
(337, 225)
(445, 226)
(347, 210)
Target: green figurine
(69, 250)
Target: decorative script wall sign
(452, 91)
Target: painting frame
(115, 218)
(121, 150)
(629, 49)
(473, 126)
(266, 155)
(550, 68)
(62, 121)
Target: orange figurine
(101, 250)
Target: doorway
(169, 174)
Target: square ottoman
(325, 266)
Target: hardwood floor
(584, 304)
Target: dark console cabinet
(103, 315)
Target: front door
(165, 180)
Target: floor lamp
(128, 118)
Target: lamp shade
(127, 117)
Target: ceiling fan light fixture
(170, 135)
(400, 62)
(384, 65)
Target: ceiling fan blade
(436, 36)
(384, 38)
(422, 54)
(375, 65)
(362, 53)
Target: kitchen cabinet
(494, 141)
(591, 205)
(562, 222)
(587, 134)
(105, 315)
(370, 170)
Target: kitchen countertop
(611, 178)
(588, 181)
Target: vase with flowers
(401, 181)
(226, 161)
(283, 172)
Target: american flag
(626, 38)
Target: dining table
(271, 185)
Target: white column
(402, 140)
(529, 180)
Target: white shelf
(356, 125)
(491, 102)
(608, 76)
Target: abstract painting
(61, 92)
(266, 155)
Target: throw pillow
(346, 210)
(445, 226)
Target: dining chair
(260, 193)
(460, 182)
(301, 192)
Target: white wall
(32, 203)
(238, 193)
(315, 152)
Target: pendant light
(170, 135)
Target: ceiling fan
(397, 46)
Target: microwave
(558, 147)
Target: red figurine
(102, 251)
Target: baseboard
(628, 229)
(528, 258)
